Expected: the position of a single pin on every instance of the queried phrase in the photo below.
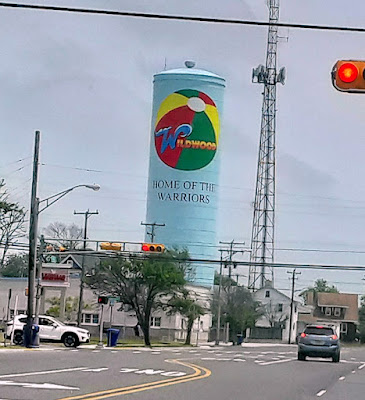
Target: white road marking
(28, 385)
(208, 358)
(278, 361)
(352, 358)
(95, 369)
(52, 371)
(150, 371)
(239, 359)
(136, 352)
(74, 350)
(341, 378)
(192, 351)
(173, 373)
(362, 366)
(96, 351)
(353, 372)
(321, 393)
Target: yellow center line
(198, 374)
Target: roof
(341, 300)
(277, 291)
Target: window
(155, 322)
(267, 293)
(280, 307)
(328, 311)
(337, 312)
(344, 328)
(90, 319)
(45, 322)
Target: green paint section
(191, 159)
(189, 93)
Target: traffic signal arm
(349, 76)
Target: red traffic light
(348, 72)
(103, 300)
(153, 248)
(349, 76)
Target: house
(275, 320)
(339, 310)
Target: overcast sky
(85, 81)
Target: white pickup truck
(50, 329)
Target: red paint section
(174, 118)
(207, 99)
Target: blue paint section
(186, 201)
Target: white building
(163, 327)
(275, 321)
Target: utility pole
(152, 232)
(38, 279)
(87, 215)
(293, 278)
(217, 336)
(231, 252)
(33, 228)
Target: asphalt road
(254, 373)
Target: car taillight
(334, 337)
(303, 334)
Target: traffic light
(103, 300)
(349, 76)
(111, 246)
(153, 247)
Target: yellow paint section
(212, 113)
(199, 373)
(171, 102)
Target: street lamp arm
(52, 199)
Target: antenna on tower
(262, 239)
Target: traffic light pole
(100, 344)
(87, 215)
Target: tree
(142, 284)
(66, 235)
(16, 266)
(183, 304)
(238, 307)
(275, 318)
(320, 286)
(71, 307)
(12, 221)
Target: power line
(180, 17)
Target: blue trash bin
(239, 339)
(113, 335)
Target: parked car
(50, 329)
(319, 341)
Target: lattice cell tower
(262, 240)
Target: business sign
(55, 278)
(187, 130)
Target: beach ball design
(187, 130)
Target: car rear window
(318, 331)
(23, 320)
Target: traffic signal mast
(349, 76)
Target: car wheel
(70, 340)
(336, 358)
(301, 357)
(18, 338)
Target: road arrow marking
(28, 385)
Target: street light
(37, 206)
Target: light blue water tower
(184, 163)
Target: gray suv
(319, 341)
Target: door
(48, 329)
